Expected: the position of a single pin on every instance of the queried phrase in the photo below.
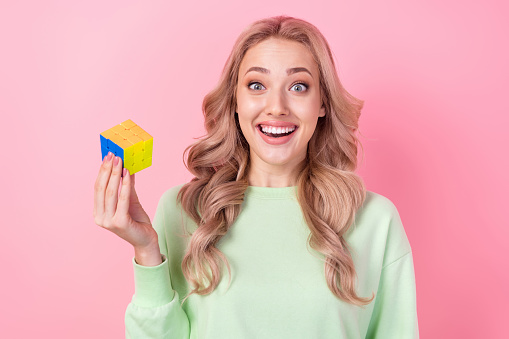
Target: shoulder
(169, 197)
(377, 206)
(382, 208)
(170, 218)
(172, 192)
(379, 224)
(168, 207)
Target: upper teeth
(277, 130)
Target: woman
(274, 205)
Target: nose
(277, 103)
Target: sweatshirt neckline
(271, 192)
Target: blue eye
(255, 83)
(300, 84)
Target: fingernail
(109, 156)
(115, 162)
(125, 172)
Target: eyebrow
(289, 71)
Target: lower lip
(276, 141)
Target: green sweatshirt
(278, 288)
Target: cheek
(249, 104)
(310, 120)
(244, 125)
(247, 113)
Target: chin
(280, 160)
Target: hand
(122, 213)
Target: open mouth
(276, 132)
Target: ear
(322, 111)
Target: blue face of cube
(104, 147)
(109, 146)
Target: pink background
(434, 77)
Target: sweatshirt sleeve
(155, 310)
(395, 311)
(395, 314)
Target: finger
(134, 195)
(111, 197)
(101, 183)
(125, 194)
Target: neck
(267, 175)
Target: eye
(257, 87)
(300, 86)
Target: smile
(276, 135)
(276, 132)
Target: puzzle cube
(129, 142)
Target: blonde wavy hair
(329, 192)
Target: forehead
(277, 55)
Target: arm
(155, 310)
(395, 314)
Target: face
(278, 101)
